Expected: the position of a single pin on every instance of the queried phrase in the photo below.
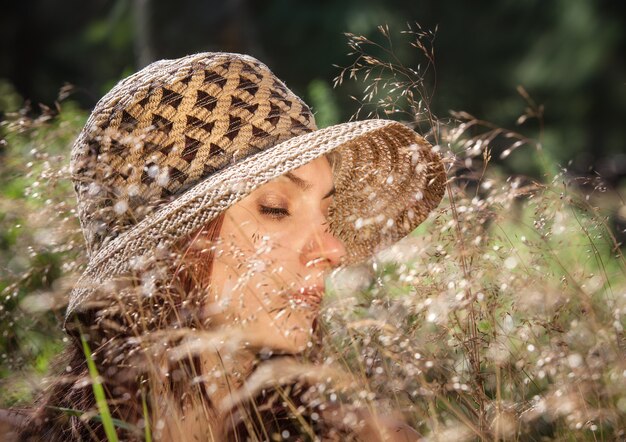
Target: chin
(293, 335)
(296, 337)
(301, 341)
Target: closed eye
(274, 212)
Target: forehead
(316, 172)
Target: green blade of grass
(98, 391)
(146, 418)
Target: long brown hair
(130, 318)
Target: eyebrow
(305, 185)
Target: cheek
(251, 289)
(241, 278)
(257, 301)
(220, 300)
(255, 261)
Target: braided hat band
(174, 145)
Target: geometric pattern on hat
(171, 125)
(387, 177)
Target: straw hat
(177, 143)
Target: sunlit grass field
(501, 317)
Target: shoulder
(370, 427)
(286, 397)
(387, 428)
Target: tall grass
(501, 317)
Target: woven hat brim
(387, 181)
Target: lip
(311, 295)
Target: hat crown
(170, 126)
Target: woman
(212, 210)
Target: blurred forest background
(568, 54)
(59, 58)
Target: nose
(322, 248)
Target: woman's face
(274, 252)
